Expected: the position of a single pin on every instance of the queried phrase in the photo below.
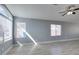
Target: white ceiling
(42, 11)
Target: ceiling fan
(71, 9)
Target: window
(2, 11)
(1, 33)
(55, 30)
(5, 12)
(5, 24)
(6, 28)
(20, 27)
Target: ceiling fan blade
(69, 7)
(76, 9)
(64, 14)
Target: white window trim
(54, 30)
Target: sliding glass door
(5, 32)
(6, 22)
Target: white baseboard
(51, 41)
(58, 41)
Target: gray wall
(70, 30)
(40, 30)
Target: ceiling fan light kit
(69, 13)
(71, 9)
(74, 13)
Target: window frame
(6, 14)
(18, 30)
(54, 30)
